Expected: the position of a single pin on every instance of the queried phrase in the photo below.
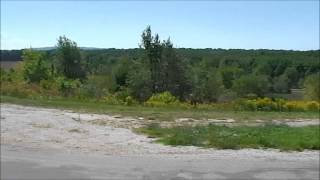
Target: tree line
(195, 75)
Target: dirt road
(39, 143)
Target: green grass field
(222, 137)
(158, 113)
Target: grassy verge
(222, 137)
(158, 113)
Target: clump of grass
(45, 126)
(280, 137)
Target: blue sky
(191, 24)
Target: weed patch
(222, 137)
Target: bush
(312, 87)
(162, 99)
(267, 104)
(130, 101)
(34, 67)
(295, 106)
(68, 87)
(49, 87)
(251, 84)
(112, 100)
(19, 89)
(313, 106)
(120, 98)
(98, 86)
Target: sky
(256, 24)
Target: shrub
(113, 100)
(130, 101)
(34, 67)
(98, 86)
(120, 98)
(68, 86)
(312, 87)
(313, 106)
(267, 104)
(243, 104)
(49, 87)
(19, 89)
(295, 106)
(162, 99)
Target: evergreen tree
(69, 59)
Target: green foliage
(97, 86)
(193, 76)
(214, 87)
(251, 84)
(293, 76)
(207, 84)
(267, 104)
(268, 136)
(313, 106)
(162, 99)
(312, 87)
(120, 98)
(229, 74)
(167, 71)
(67, 87)
(281, 84)
(50, 87)
(69, 59)
(35, 68)
(139, 82)
(121, 72)
(19, 89)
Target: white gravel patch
(68, 131)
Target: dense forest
(191, 75)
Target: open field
(8, 64)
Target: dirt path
(82, 140)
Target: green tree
(251, 84)
(166, 67)
(139, 81)
(312, 87)
(229, 74)
(173, 72)
(198, 84)
(121, 71)
(69, 59)
(214, 86)
(35, 68)
(293, 76)
(281, 84)
(153, 50)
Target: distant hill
(15, 55)
(53, 48)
